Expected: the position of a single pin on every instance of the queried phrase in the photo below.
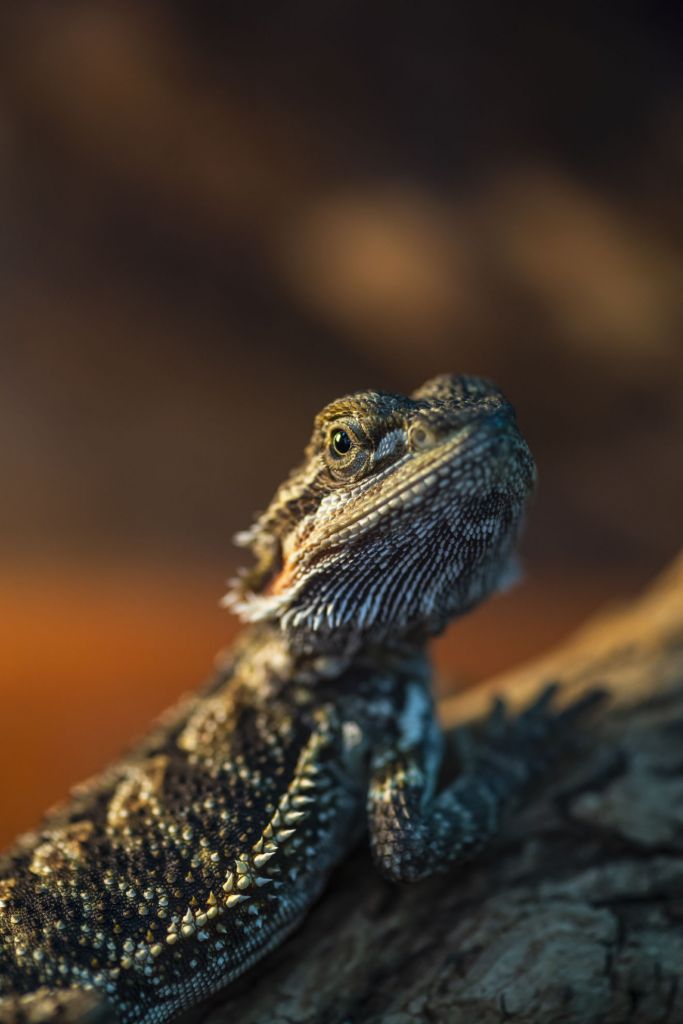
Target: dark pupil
(341, 442)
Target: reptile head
(403, 515)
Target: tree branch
(575, 916)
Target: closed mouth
(423, 473)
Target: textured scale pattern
(173, 871)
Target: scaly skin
(176, 869)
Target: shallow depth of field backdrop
(213, 222)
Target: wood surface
(574, 916)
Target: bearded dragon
(175, 870)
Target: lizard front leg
(414, 834)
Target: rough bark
(576, 915)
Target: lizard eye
(346, 450)
(340, 442)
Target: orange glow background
(213, 223)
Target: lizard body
(173, 871)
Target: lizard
(175, 870)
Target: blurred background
(214, 222)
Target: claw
(497, 719)
(543, 701)
(584, 704)
(464, 745)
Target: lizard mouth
(459, 465)
(426, 485)
(398, 489)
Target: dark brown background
(212, 223)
